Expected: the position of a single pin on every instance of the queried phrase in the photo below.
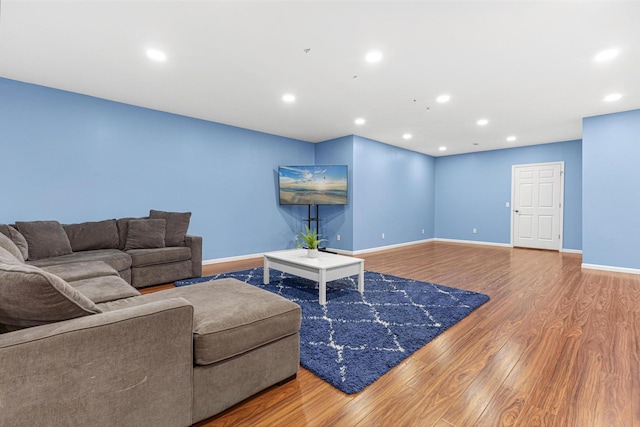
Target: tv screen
(313, 185)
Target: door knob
(517, 211)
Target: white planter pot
(312, 253)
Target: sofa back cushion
(17, 238)
(177, 226)
(8, 245)
(30, 296)
(88, 236)
(46, 239)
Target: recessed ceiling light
(373, 56)
(482, 122)
(613, 97)
(156, 55)
(287, 97)
(407, 136)
(442, 148)
(443, 98)
(606, 55)
(511, 138)
(359, 121)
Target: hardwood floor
(555, 346)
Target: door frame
(513, 197)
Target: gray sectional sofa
(145, 251)
(80, 346)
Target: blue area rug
(355, 339)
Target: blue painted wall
(611, 190)
(393, 193)
(77, 158)
(336, 220)
(471, 191)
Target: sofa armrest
(132, 366)
(195, 243)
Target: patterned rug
(355, 339)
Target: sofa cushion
(160, 273)
(243, 318)
(72, 271)
(30, 296)
(144, 257)
(8, 245)
(230, 316)
(93, 235)
(105, 288)
(44, 238)
(177, 226)
(17, 238)
(145, 234)
(115, 258)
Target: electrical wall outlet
(338, 237)
(423, 231)
(506, 205)
(475, 230)
(383, 235)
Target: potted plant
(310, 239)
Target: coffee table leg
(361, 278)
(265, 275)
(323, 287)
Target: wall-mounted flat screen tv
(313, 185)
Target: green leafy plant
(310, 238)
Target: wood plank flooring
(555, 346)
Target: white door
(537, 205)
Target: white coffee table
(325, 268)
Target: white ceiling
(526, 66)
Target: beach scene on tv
(313, 185)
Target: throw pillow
(93, 235)
(123, 228)
(30, 296)
(8, 245)
(145, 234)
(45, 239)
(177, 226)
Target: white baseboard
(379, 248)
(571, 251)
(504, 245)
(474, 242)
(233, 258)
(611, 268)
(340, 251)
